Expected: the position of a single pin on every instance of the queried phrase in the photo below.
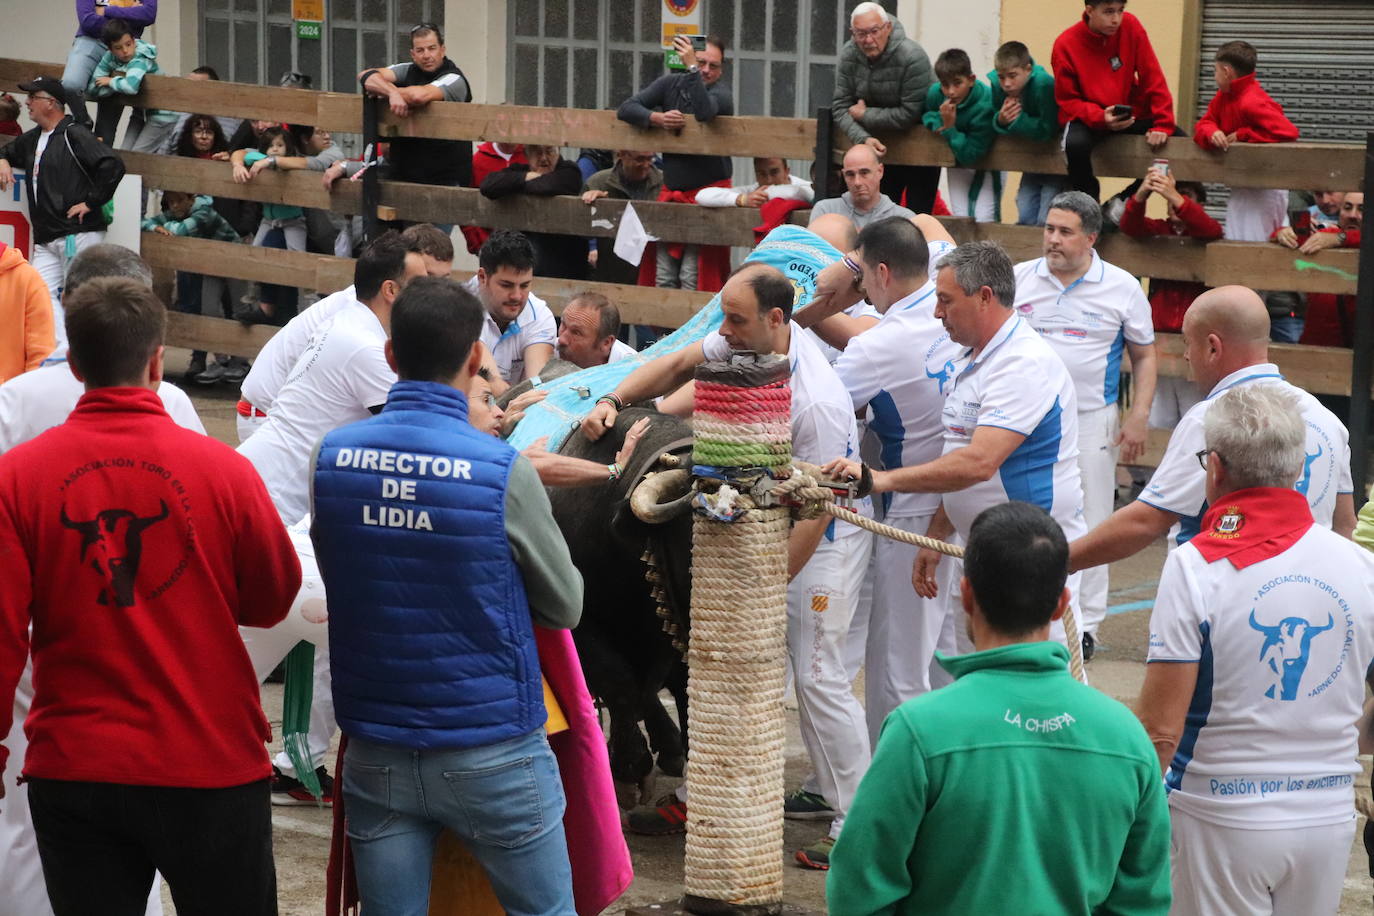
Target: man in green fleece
(1023, 97)
(959, 109)
(1016, 787)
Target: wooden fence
(1259, 265)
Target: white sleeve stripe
(447, 79)
(1179, 661)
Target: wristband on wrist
(615, 471)
(857, 271)
(613, 399)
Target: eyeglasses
(861, 34)
(1202, 457)
(425, 27)
(42, 98)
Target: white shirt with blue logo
(1088, 323)
(1018, 383)
(1179, 484)
(1282, 648)
(823, 425)
(901, 369)
(534, 325)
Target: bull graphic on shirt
(1306, 479)
(944, 375)
(113, 543)
(1287, 647)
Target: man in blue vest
(439, 554)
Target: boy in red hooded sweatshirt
(1103, 65)
(1242, 112)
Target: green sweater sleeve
(553, 586)
(869, 870)
(972, 133)
(1039, 118)
(934, 99)
(1364, 527)
(1142, 875)
(103, 67)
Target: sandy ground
(302, 833)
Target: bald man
(1226, 345)
(863, 203)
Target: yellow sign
(307, 10)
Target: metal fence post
(825, 147)
(1362, 359)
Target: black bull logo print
(113, 542)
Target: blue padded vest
(430, 639)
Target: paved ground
(302, 833)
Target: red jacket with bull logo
(136, 549)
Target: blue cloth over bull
(799, 254)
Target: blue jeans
(1034, 195)
(1287, 329)
(504, 801)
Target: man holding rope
(1010, 415)
(825, 561)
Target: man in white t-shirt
(1090, 313)
(275, 359)
(773, 180)
(825, 560)
(590, 323)
(1010, 415)
(519, 331)
(341, 376)
(897, 373)
(1226, 345)
(31, 404)
(1260, 640)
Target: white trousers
(1097, 430)
(22, 889)
(1227, 871)
(983, 208)
(1252, 214)
(51, 260)
(820, 607)
(904, 629)
(306, 621)
(1174, 397)
(248, 425)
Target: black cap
(52, 87)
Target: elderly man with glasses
(71, 175)
(881, 83)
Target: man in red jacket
(135, 549)
(490, 157)
(1102, 66)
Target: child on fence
(959, 109)
(1243, 112)
(121, 71)
(1023, 97)
(282, 226)
(190, 216)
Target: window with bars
(254, 41)
(596, 53)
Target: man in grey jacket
(881, 82)
(863, 203)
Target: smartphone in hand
(1121, 112)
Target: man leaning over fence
(665, 104)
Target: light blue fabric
(801, 255)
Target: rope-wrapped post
(737, 652)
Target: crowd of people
(155, 577)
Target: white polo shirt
(534, 325)
(901, 370)
(275, 360)
(339, 377)
(1018, 383)
(1179, 484)
(621, 350)
(860, 309)
(36, 401)
(1282, 647)
(1088, 323)
(823, 426)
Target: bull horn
(647, 500)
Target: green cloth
(1014, 789)
(143, 63)
(1039, 118)
(272, 211)
(972, 132)
(1364, 525)
(203, 222)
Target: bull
(117, 538)
(631, 540)
(1287, 647)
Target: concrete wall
(969, 24)
(475, 35)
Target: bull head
(117, 536)
(661, 496)
(1287, 648)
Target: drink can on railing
(1161, 166)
